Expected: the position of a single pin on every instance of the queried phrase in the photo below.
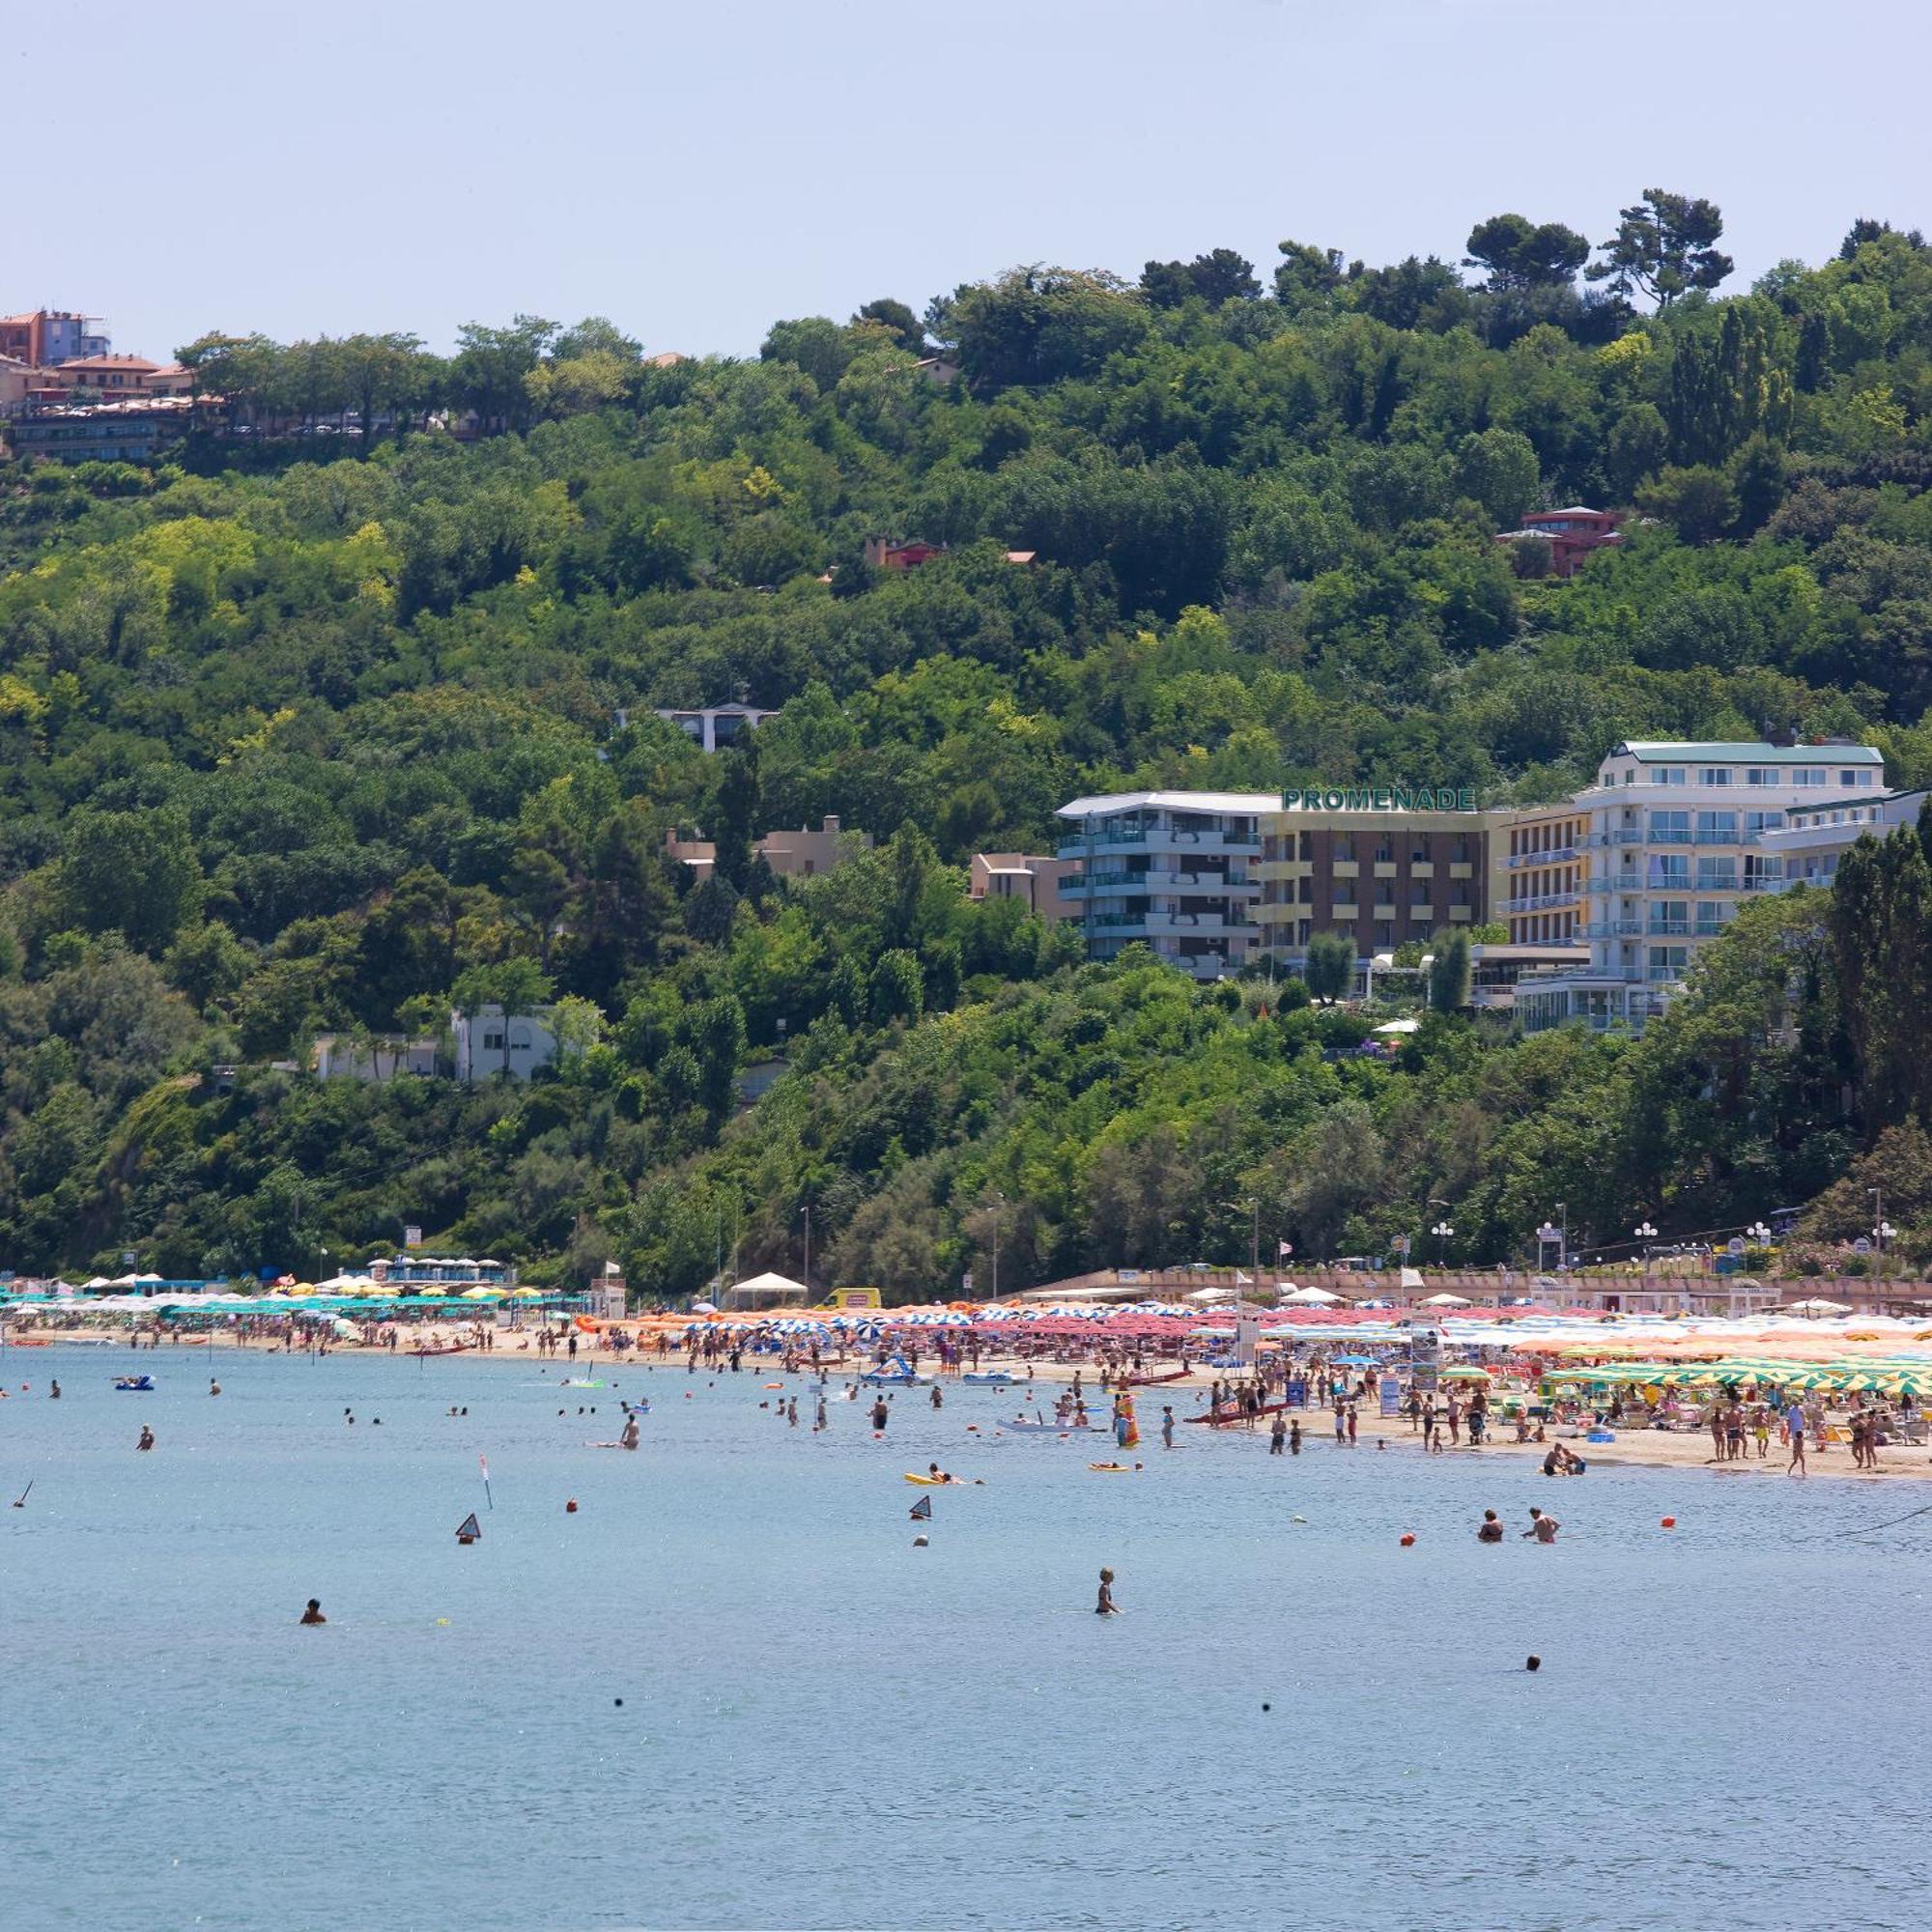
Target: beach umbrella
(1448, 1301)
(1465, 1375)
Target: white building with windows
(1171, 870)
(1816, 837)
(1680, 836)
(486, 1044)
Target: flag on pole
(1286, 1248)
(921, 1511)
(484, 1464)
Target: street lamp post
(808, 1246)
(1442, 1231)
(999, 1202)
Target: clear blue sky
(695, 171)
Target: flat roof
(1244, 803)
(1647, 750)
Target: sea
(729, 1691)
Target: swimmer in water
(313, 1614)
(147, 1441)
(54, 1392)
(1106, 1606)
(213, 1386)
(629, 1438)
(1543, 1527)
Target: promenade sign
(1381, 798)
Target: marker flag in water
(470, 1529)
(921, 1511)
(483, 1463)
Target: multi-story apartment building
(1542, 862)
(1816, 837)
(1172, 871)
(1381, 866)
(1676, 841)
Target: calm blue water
(823, 1727)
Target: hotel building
(1679, 836)
(1542, 862)
(1383, 865)
(1816, 837)
(1171, 870)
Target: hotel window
(1807, 774)
(1759, 775)
(1717, 828)
(1670, 915)
(1384, 932)
(1420, 848)
(1717, 876)
(1715, 775)
(1764, 821)
(1344, 847)
(1667, 774)
(1671, 828)
(1669, 869)
(1669, 962)
(1385, 850)
(1712, 916)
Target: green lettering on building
(1380, 798)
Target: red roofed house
(126, 375)
(882, 553)
(1573, 533)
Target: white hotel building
(1680, 834)
(1171, 870)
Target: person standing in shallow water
(1106, 1606)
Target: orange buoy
(1670, 1523)
(569, 1508)
(775, 1385)
(1408, 1539)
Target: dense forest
(338, 718)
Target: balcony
(1709, 928)
(1219, 884)
(1614, 928)
(1384, 869)
(1668, 929)
(1346, 869)
(1156, 838)
(1669, 835)
(1556, 854)
(1755, 884)
(1462, 869)
(1345, 910)
(1421, 868)
(1384, 912)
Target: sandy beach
(1663, 1449)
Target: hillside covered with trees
(339, 717)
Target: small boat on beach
(993, 1378)
(135, 1384)
(1149, 1381)
(1226, 1417)
(453, 1348)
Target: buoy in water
(919, 1542)
(1408, 1539)
(1670, 1523)
(569, 1508)
(1533, 1664)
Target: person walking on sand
(1106, 1606)
(1352, 1425)
(1794, 1433)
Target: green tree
(1664, 247)
(1517, 253)
(1330, 968)
(132, 873)
(1449, 975)
(1498, 468)
(1697, 503)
